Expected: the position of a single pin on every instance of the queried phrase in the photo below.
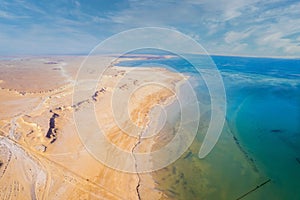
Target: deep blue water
(263, 120)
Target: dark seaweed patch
(181, 175)
(174, 170)
(251, 160)
(298, 160)
(173, 192)
(276, 131)
(188, 155)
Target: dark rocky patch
(53, 140)
(56, 68)
(77, 105)
(52, 130)
(94, 97)
(96, 94)
(59, 108)
(124, 87)
(30, 132)
(51, 63)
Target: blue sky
(236, 27)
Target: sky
(227, 27)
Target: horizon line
(118, 54)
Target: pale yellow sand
(33, 167)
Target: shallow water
(260, 140)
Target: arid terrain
(42, 155)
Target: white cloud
(270, 33)
(9, 16)
(6, 15)
(244, 26)
(276, 40)
(77, 4)
(233, 36)
(225, 10)
(194, 36)
(239, 47)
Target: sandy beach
(42, 155)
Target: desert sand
(42, 156)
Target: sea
(258, 153)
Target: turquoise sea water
(260, 142)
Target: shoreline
(151, 182)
